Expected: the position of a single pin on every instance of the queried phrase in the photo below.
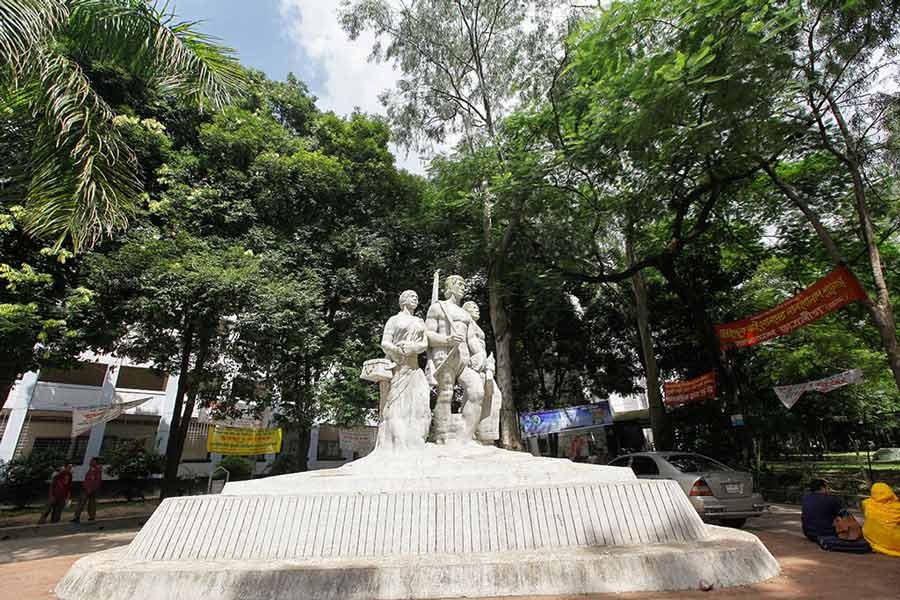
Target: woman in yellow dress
(882, 526)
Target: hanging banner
(243, 442)
(826, 295)
(601, 413)
(553, 421)
(693, 390)
(86, 417)
(789, 394)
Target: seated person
(882, 525)
(819, 510)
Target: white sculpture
(405, 414)
(488, 430)
(449, 339)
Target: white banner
(86, 417)
(789, 394)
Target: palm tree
(81, 178)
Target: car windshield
(694, 463)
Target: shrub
(132, 463)
(23, 480)
(238, 467)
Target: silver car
(718, 492)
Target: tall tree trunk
(303, 440)
(509, 419)
(510, 437)
(663, 436)
(170, 474)
(881, 310)
(704, 328)
(180, 432)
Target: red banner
(828, 294)
(692, 390)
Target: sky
(301, 37)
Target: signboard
(826, 295)
(360, 440)
(243, 442)
(693, 390)
(86, 417)
(553, 421)
(737, 420)
(789, 394)
(601, 413)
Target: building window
(329, 450)
(141, 378)
(60, 446)
(84, 374)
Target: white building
(37, 414)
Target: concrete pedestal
(475, 521)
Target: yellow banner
(243, 442)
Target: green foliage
(82, 179)
(23, 479)
(131, 461)
(238, 467)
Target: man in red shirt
(89, 490)
(60, 489)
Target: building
(37, 415)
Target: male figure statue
(447, 329)
(488, 430)
(406, 415)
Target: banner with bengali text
(789, 394)
(84, 418)
(678, 393)
(243, 442)
(835, 290)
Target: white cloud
(350, 80)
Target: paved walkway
(29, 568)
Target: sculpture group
(457, 356)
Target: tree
(82, 176)
(844, 57)
(464, 62)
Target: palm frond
(24, 23)
(152, 45)
(83, 176)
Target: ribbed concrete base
(727, 557)
(444, 522)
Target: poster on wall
(835, 290)
(602, 413)
(360, 440)
(554, 421)
(678, 393)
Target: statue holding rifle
(448, 329)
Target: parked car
(719, 493)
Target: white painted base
(727, 557)
(444, 522)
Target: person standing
(60, 490)
(89, 490)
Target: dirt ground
(31, 567)
(105, 510)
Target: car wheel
(736, 523)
